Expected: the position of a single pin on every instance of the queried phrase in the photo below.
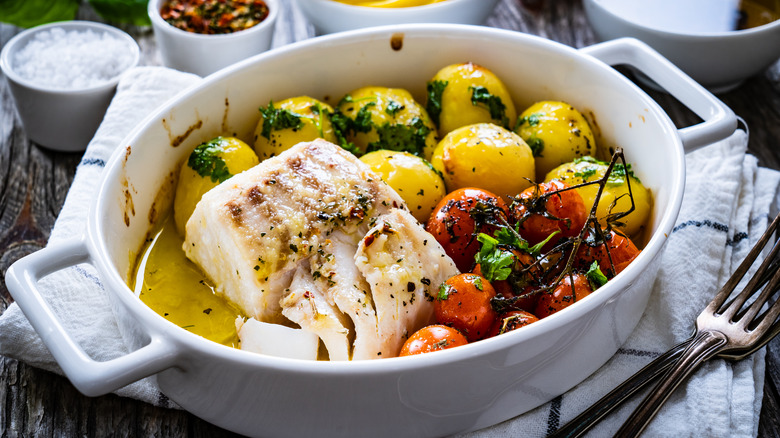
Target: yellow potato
(466, 94)
(615, 197)
(208, 165)
(386, 118)
(412, 177)
(288, 122)
(485, 156)
(557, 134)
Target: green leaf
(595, 276)
(206, 160)
(435, 90)
(277, 119)
(123, 11)
(481, 96)
(444, 291)
(505, 236)
(619, 171)
(399, 137)
(494, 262)
(31, 13)
(393, 108)
(536, 144)
(362, 122)
(531, 119)
(341, 127)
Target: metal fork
(750, 340)
(722, 327)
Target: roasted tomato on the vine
(460, 216)
(545, 208)
(571, 289)
(613, 249)
(512, 320)
(464, 302)
(432, 338)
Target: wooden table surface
(34, 182)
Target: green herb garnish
(536, 144)
(276, 119)
(444, 291)
(595, 276)
(494, 262)
(435, 90)
(393, 108)
(481, 96)
(399, 137)
(206, 160)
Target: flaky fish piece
(281, 241)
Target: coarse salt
(72, 60)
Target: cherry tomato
(563, 210)
(523, 276)
(622, 251)
(432, 338)
(463, 302)
(512, 321)
(454, 226)
(562, 296)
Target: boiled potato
(374, 118)
(208, 165)
(557, 134)
(288, 122)
(615, 191)
(412, 177)
(485, 156)
(466, 94)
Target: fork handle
(581, 424)
(704, 346)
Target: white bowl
(56, 118)
(329, 16)
(718, 60)
(204, 54)
(435, 394)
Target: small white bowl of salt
(63, 76)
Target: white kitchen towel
(76, 293)
(727, 205)
(728, 200)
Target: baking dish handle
(719, 120)
(91, 377)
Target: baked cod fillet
(283, 242)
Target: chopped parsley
(536, 144)
(207, 160)
(341, 127)
(585, 173)
(595, 276)
(494, 262)
(444, 291)
(619, 171)
(435, 90)
(362, 121)
(400, 137)
(393, 108)
(531, 119)
(276, 119)
(481, 96)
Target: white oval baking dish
(456, 390)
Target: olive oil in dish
(171, 285)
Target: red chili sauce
(214, 16)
